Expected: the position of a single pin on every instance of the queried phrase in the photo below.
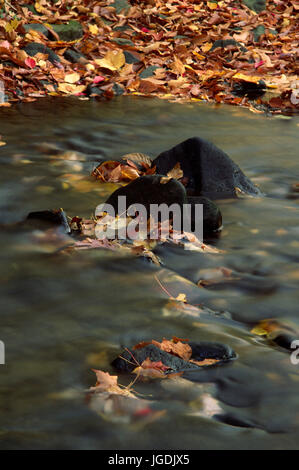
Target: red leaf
(30, 62)
(98, 79)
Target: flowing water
(63, 315)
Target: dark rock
(69, 31)
(40, 219)
(155, 354)
(223, 43)
(251, 90)
(130, 58)
(209, 171)
(34, 47)
(148, 72)
(74, 56)
(123, 42)
(255, 5)
(93, 90)
(212, 218)
(39, 28)
(285, 340)
(148, 190)
(203, 350)
(118, 89)
(210, 350)
(294, 191)
(234, 420)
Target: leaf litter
(214, 51)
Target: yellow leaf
(71, 89)
(176, 172)
(206, 47)
(247, 78)
(212, 5)
(72, 77)
(90, 67)
(39, 8)
(113, 60)
(93, 29)
(198, 55)
(9, 27)
(181, 298)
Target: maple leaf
(113, 60)
(155, 370)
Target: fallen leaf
(113, 60)
(72, 77)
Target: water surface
(63, 315)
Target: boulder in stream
(150, 189)
(202, 352)
(208, 171)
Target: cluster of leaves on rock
(114, 401)
(178, 50)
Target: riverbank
(240, 53)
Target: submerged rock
(294, 191)
(212, 217)
(208, 171)
(40, 219)
(201, 351)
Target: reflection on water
(63, 315)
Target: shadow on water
(63, 315)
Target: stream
(63, 315)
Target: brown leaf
(176, 172)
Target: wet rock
(118, 89)
(294, 191)
(210, 350)
(148, 190)
(34, 47)
(212, 217)
(248, 89)
(285, 340)
(69, 31)
(93, 91)
(234, 420)
(74, 56)
(208, 170)
(40, 219)
(155, 354)
(200, 351)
